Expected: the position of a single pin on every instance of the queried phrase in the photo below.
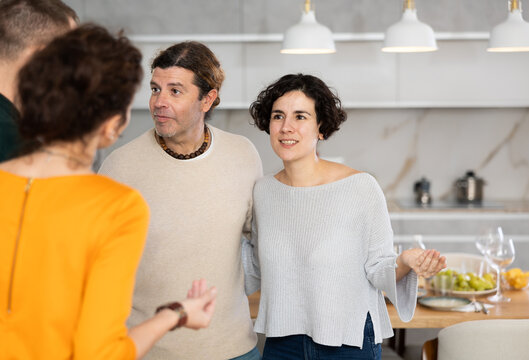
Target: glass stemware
(488, 236)
(500, 255)
(418, 243)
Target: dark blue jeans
(301, 347)
(251, 355)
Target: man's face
(174, 103)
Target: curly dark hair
(329, 112)
(73, 85)
(199, 59)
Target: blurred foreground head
(76, 83)
(30, 24)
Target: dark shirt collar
(7, 106)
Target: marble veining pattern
(411, 157)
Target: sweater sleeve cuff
(403, 295)
(252, 274)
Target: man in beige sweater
(198, 182)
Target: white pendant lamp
(512, 35)
(308, 36)
(409, 34)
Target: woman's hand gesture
(199, 305)
(425, 263)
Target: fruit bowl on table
(466, 275)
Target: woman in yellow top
(70, 240)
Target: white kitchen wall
(412, 115)
(274, 16)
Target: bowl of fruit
(465, 275)
(516, 278)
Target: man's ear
(208, 99)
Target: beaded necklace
(192, 155)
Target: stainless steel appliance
(421, 189)
(469, 188)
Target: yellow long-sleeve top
(69, 249)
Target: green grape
(488, 284)
(477, 284)
(464, 284)
(489, 277)
(468, 281)
(491, 281)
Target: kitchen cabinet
(460, 74)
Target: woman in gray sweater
(322, 245)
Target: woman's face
(294, 130)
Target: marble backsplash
(399, 146)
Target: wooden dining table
(424, 317)
(517, 308)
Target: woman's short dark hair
(73, 85)
(199, 59)
(329, 112)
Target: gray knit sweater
(322, 256)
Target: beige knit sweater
(199, 209)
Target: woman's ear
(320, 136)
(110, 130)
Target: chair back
(485, 339)
(429, 350)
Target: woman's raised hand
(425, 263)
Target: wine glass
(488, 236)
(418, 243)
(500, 254)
